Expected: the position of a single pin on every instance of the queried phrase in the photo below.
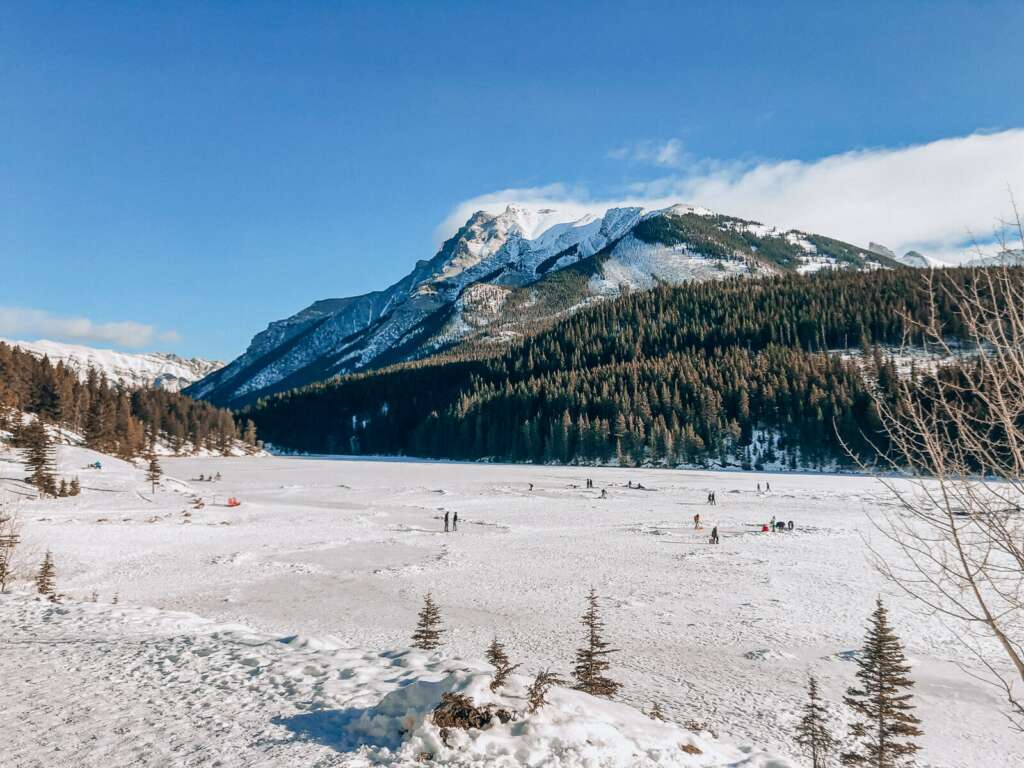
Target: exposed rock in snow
(145, 369)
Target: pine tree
(153, 472)
(812, 733)
(75, 488)
(38, 457)
(427, 636)
(63, 490)
(46, 578)
(498, 659)
(591, 659)
(885, 724)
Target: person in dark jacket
(455, 522)
(446, 521)
(714, 535)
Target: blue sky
(176, 175)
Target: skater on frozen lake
(696, 521)
(714, 535)
(455, 522)
(446, 521)
(604, 493)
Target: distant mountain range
(158, 370)
(504, 274)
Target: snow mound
(294, 700)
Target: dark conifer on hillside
(427, 636)
(812, 733)
(884, 726)
(46, 578)
(743, 372)
(37, 452)
(153, 472)
(592, 657)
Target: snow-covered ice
(309, 592)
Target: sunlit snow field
(341, 552)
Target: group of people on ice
(454, 522)
(773, 526)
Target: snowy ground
(344, 550)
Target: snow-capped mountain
(1008, 258)
(501, 273)
(147, 369)
(909, 259)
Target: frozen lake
(724, 634)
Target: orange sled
(233, 502)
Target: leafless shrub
(959, 525)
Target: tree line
(742, 372)
(111, 417)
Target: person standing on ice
(455, 522)
(446, 521)
(714, 535)
(696, 521)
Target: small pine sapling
(498, 659)
(812, 733)
(536, 694)
(591, 659)
(656, 713)
(427, 636)
(46, 578)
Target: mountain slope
(157, 370)
(500, 274)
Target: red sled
(233, 502)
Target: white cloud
(668, 154)
(928, 197)
(31, 324)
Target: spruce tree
(498, 659)
(812, 733)
(154, 472)
(75, 488)
(38, 457)
(46, 578)
(591, 659)
(884, 726)
(427, 636)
